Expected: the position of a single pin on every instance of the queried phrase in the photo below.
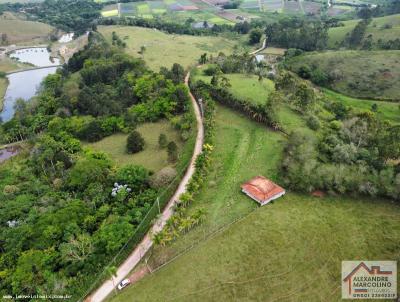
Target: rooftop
(262, 189)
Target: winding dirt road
(138, 253)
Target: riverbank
(3, 89)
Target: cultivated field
(291, 248)
(22, 31)
(385, 28)
(168, 10)
(362, 74)
(163, 49)
(152, 157)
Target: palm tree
(112, 272)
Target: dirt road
(138, 253)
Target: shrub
(313, 122)
(163, 177)
(136, 177)
(162, 141)
(255, 36)
(211, 70)
(135, 142)
(92, 132)
(172, 150)
(304, 71)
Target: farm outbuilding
(262, 190)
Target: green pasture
(163, 49)
(152, 157)
(389, 111)
(360, 74)
(385, 28)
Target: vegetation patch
(363, 74)
(152, 157)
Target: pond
(37, 56)
(24, 85)
(8, 152)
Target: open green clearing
(389, 111)
(249, 87)
(152, 157)
(279, 251)
(377, 28)
(163, 49)
(362, 74)
(22, 31)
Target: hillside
(162, 49)
(362, 74)
(384, 28)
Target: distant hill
(385, 28)
(362, 74)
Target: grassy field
(163, 49)
(389, 111)
(22, 31)
(248, 87)
(152, 157)
(362, 74)
(385, 28)
(3, 88)
(278, 252)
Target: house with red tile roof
(262, 190)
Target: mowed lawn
(385, 28)
(22, 31)
(152, 157)
(290, 250)
(361, 74)
(163, 49)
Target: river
(25, 84)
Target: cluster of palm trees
(257, 112)
(178, 224)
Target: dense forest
(68, 209)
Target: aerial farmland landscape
(199, 150)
